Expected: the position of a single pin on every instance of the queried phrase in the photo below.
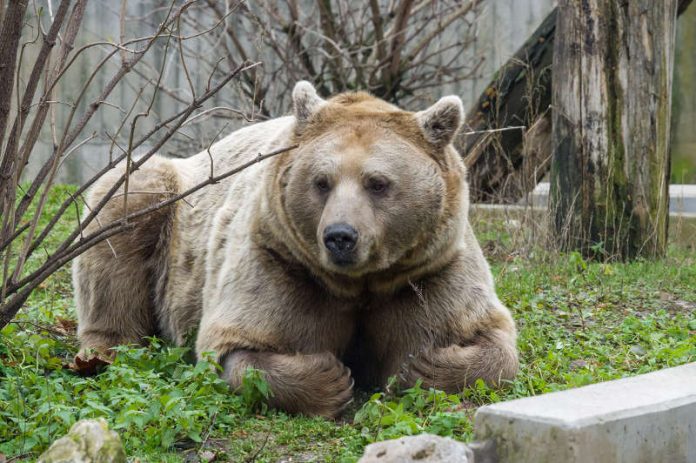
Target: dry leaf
(464, 405)
(89, 366)
(66, 326)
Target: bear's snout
(340, 240)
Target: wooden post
(2, 11)
(613, 63)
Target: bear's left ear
(441, 121)
(305, 102)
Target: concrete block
(682, 198)
(646, 418)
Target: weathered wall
(503, 26)
(684, 101)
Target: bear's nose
(340, 240)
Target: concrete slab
(646, 418)
(682, 198)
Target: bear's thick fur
(347, 259)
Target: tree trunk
(10, 34)
(613, 64)
(2, 10)
(504, 166)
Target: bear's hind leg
(115, 281)
(112, 298)
(311, 384)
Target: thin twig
(23, 289)
(502, 129)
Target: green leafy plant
(579, 323)
(255, 391)
(413, 411)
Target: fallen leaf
(66, 326)
(89, 366)
(465, 405)
(577, 364)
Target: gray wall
(684, 101)
(502, 28)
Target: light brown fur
(247, 264)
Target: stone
(424, 448)
(207, 456)
(638, 350)
(645, 418)
(577, 364)
(88, 441)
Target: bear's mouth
(341, 260)
(345, 264)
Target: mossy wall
(684, 101)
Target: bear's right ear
(305, 102)
(441, 121)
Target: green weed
(579, 322)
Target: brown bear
(347, 259)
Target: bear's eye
(377, 185)
(322, 184)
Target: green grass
(683, 169)
(579, 323)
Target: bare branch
(161, 93)
(33, 280)
(72, 136)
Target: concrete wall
(501, 28)
(684, 101)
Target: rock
(207, 456)
(424, 448)
(577, 364)
(88, 441)
(638, 350)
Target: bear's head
(372, 188)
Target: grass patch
(579, 323)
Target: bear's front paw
(455, 367)
(434, 368)
(324, 387)
(311, 384)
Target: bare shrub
(47, 40)
(66, 83)
(397, 50)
